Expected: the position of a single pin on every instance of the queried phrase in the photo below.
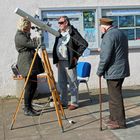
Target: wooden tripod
(52, 87)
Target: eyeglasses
(61, 22)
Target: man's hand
(74, 60)
(57, 65)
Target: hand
(57, 65)
(99, 74)
(74, 60)
(99, 49)
(37, 40)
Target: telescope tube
(37, 22)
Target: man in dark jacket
(114, 66)
(26, 49)
(68, 47)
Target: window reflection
(89, 27)
(138, 33)
(126, 21)
(138, 20)
(89, 19)
(129, 33)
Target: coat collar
(110, 28)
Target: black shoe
(37, 111)
(64, 106)
(30, 112)
(31, 108)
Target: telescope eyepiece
(35, 28)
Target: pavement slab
(86, 118)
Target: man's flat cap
(105, 21)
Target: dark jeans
(30, 91)
(116, 105)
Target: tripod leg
(52, 86)
(17, 109)
(100, 101)
(22, 93)
(57, 110)
(56, 100)
(60, 105)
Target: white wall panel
(8, 54)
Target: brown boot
(114, 125)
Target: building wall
(8, 54)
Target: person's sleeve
(105, 55)
(80, 42)
(27, 42)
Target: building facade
(84, 15)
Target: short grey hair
(66, 19)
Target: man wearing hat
(114, 67)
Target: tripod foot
(11, 127)
(62, 129)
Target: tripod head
(37, 29)
(41, 43)
(39, 39)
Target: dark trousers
(116, 105)
(30, 91)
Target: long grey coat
(114, 62)
(26, 49)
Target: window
(83, 20)
(138, 20)
(137, 33)
(89, 27)
(128, 20)
(129, 33)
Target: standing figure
(114, 66)
(68, 47)
(26, 50)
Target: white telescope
(37, 22)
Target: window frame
(73, 9)
(132, 43)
